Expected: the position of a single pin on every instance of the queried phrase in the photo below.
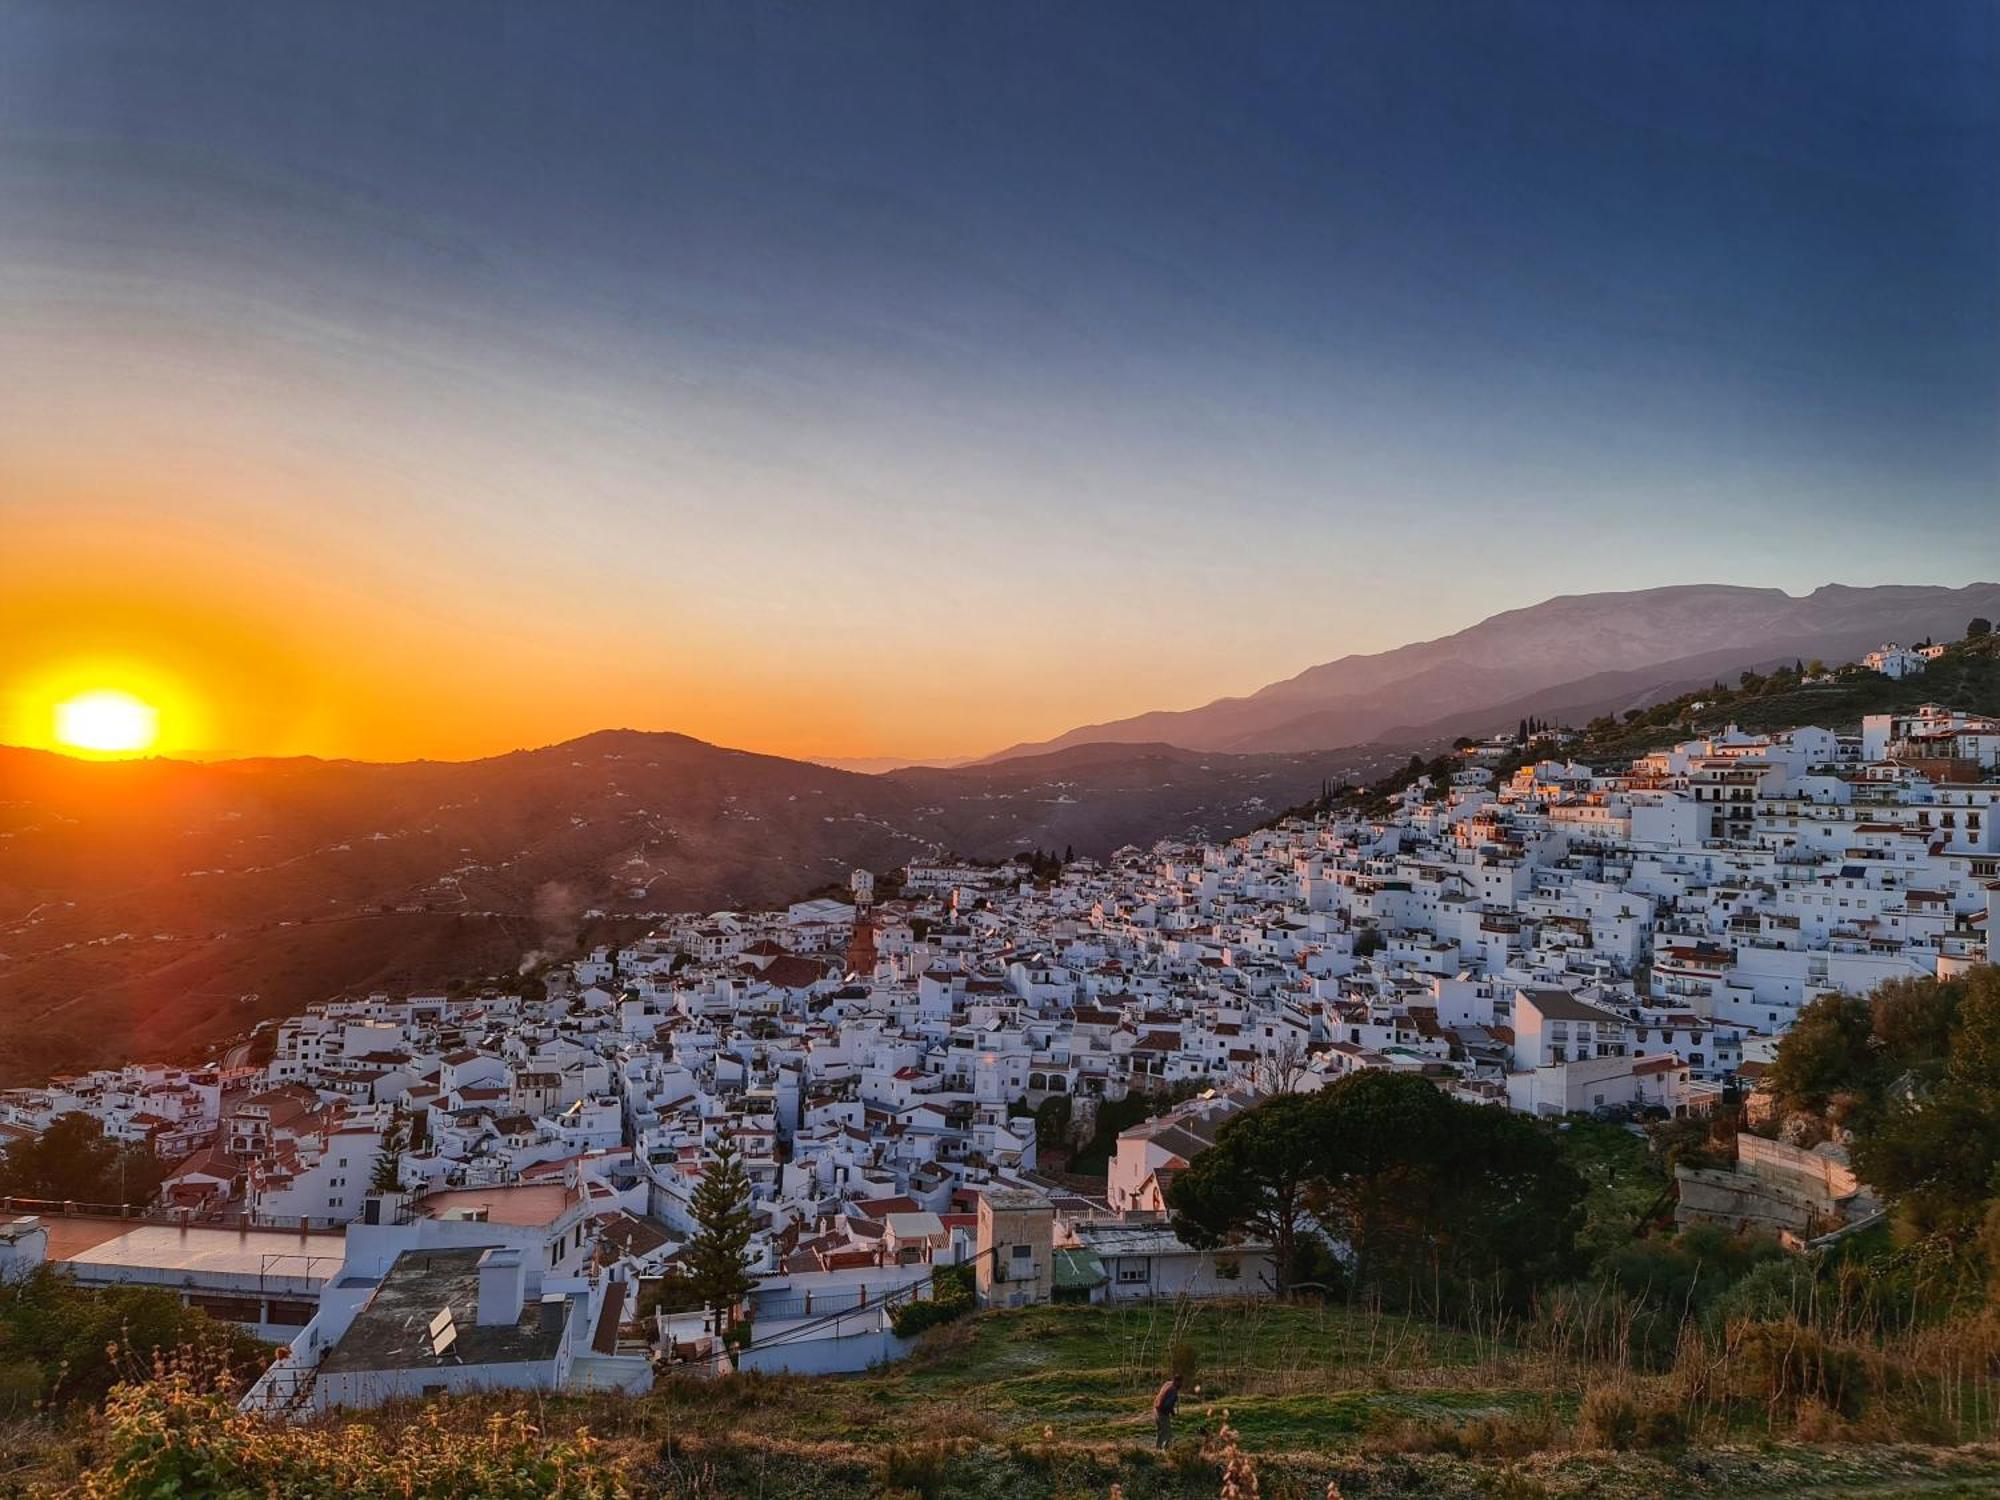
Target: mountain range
(1570, 657)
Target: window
(1022, 1252)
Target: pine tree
(718, 1257)
(387, 1175)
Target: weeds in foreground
(179, 1433)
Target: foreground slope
(1052, 1402)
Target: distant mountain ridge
(1577, 652)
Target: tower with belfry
(861, 946)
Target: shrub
(20, 1387)
(1607, 1419)
(1787, 1364)
(1614, 1418)
(1777, 1289)
(950, 1300)
(918, 1468)
(1185, 1457)
(176, 1433)
(1510, 1435)
(85, 1340)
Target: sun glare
(107, 722)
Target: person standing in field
(1164, 1405)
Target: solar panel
(443, 1333)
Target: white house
(1895, 661)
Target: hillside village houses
(1901, 661)
(1554, 938)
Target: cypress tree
(718, 1257)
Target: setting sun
(107, 722)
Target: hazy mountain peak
(1675, 629)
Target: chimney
(500, 1286)
(555, 1310)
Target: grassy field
(1053, 1402)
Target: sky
(393, 380)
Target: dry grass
(1053, 1402)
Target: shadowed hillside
(140, 901)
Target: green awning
(1078, 1270)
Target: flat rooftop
(128, 1251)
(71, 1234)
(392, 1331)
(521, 1204)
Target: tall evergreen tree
(387, 1175)
(718, 1257)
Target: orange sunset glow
(842, 388)
(107, 721)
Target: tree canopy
(1905, 1033)
(1933, 1150)
(1256, 1178)
(74, 1161)
(1418, 1194)
(57, 1340)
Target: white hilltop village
(434, 1192)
